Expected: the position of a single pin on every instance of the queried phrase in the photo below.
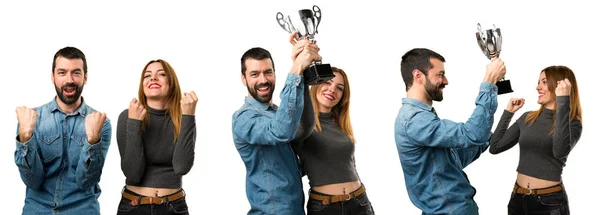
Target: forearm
(92, 158)
(29, 163)
(504, 138)
(566, 132)
(481, 120)
(133, 162)
(307, 120)
(183, 155)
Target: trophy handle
(284, 23)
(317, 12)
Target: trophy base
(317, 74)
(504, 87)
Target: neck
(156, 104)
(68, 108)
(550, 105)
(324, 109)
(417, 93)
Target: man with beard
(62, 145)
(262, 131)
(433, 151)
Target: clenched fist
(515, 104)
(495, 71)
(136, 110)
(563, 87)
(27, 118)
(188, 103)
(93, 126)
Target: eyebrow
(65, 70)
(156, 71)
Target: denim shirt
(433, 153)
(262, 136)
(59, 167)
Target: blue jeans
(359, 205)
(555, 203)
(178, 206)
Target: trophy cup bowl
(317, 72)
(490, 42)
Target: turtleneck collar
(547, 113)
(156, 111)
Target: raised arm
(426, 129)
(27, 157)
(131, 146)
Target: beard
(69, 100)
(265, 98)
(434, 91)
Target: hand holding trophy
(490, 42)
(317, 72)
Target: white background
(204, 43)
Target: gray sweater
(152, 158)
(542, 154)
(327, 157)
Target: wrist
(93, 140)
(297, 70)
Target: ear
(52, 77)
(417, 75)
(85, 78)
(244, 81)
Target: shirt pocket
(75, 149)
(49, 144)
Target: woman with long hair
(546, 137)
(156, 138)
(327, 154)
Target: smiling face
(436, 80)
(330, 93)
(156, 83)
(68, 78)
(545, 96)
(259, 78)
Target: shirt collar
(418, 104)
(259, 105)
(81, 110)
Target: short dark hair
(70, 53)
(418, 58)
(256, 53)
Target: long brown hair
(341, 111)
(173, 97)
(554, 74)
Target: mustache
(72, 85)
(268, 84)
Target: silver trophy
(490, 42)
(317, 72)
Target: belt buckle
(349, 197)
(530, 192)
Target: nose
(70, 78)
(262, 78)
(538, 87)
(153, 77)
(331, 88)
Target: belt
(526, 191)
(327, 199)
(146, 200)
